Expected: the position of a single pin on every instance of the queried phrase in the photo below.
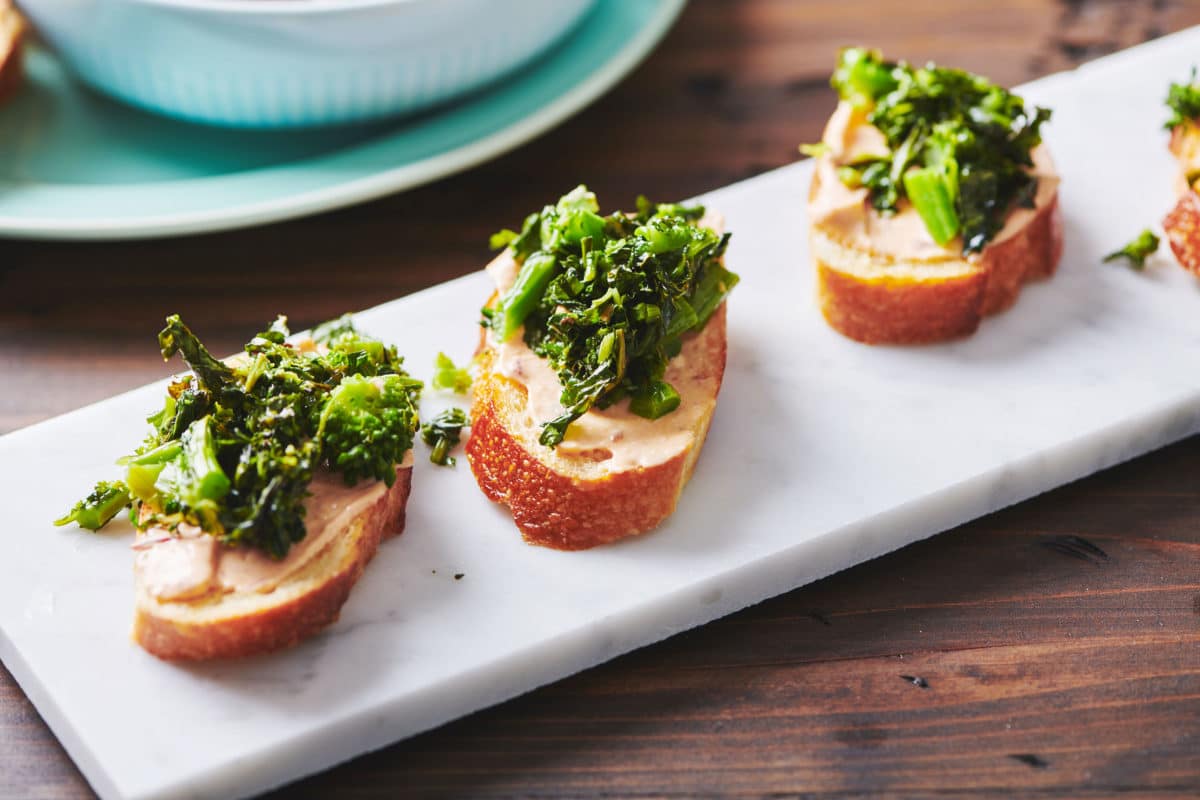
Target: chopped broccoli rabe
(94, 511)
(235, 445)
(959, 144)
(606, 299)
(442, 433)
(448, 377)
(1137, 251)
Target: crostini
(263, 489)
(1182, 223)
(12, 35)
(932, 201)
(600, 361)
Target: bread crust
(12, 38)
(565, 511)
(1182, 227)
(894, 309)
(243, 624)
(1032, 254)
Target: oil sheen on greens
(234, 447)
(960, 145)
(607, 299)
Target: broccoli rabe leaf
(607, 299)
(442, 433)
(1137, 251)
(213, 375)
(969, 141)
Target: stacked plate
(469, 85)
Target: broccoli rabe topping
(235, 446)
(607, 299)
(442, 433)
(1137, 251)
(959, 145)
(1184, 101)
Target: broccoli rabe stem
(143, 479)
(659, 398)
(442, 433)
(168, 451)
(201, 478)
(929, 192)
(526, 293)
(94, 511)
(1137, 251)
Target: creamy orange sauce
(847, 215)
(192, 564)
(177, 567)
(615, 435)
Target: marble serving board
(823, 453)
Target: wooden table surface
(1006, 656)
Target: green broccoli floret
(367, 426)
(94, 511)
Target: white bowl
(289, 63)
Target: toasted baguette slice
(12, 35)
(228, 624)
(896, 294)
(1182, 223)
(572, 499)
(877, 299)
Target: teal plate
(76, 165)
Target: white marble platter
(824, 453)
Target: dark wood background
(1057, 643)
